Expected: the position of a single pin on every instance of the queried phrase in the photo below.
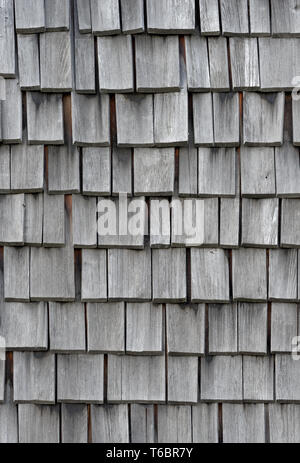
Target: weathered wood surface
(54, 221)
(121, 171)
(45, 119)
(27, 168)
(209, 17)
(132, 14)
(260, 222)
(96, 171)
(4, 169)
(223, 329)
(244, 63)
(84, 216)
(229, 222)
(174, 424)
(203, 119)
(258, 378)
(287, 164)
(244, 424)
(63, 169)
(38, 424)
(109, 319)
(283, 326)
(12, 211)
(144, 329)
(285, 18)
(8, 417)
(11, 112)
(94, 275)
(234, 14)
(57, 13)
(85, 72)
(171, 118)
(169, 275)
(188, 171)
(259, 12)
(183, 379)
(29, 64)
(16, 274)
(157, 63)
(30, 15)
(105, 17)
(258, 172)
(284, 423)
(160, 223)
(249, 275)
(74, 424)
(205, 423)
(110, 424)
(80, 378)
(221, 379)
(66, 327)
(186, 329)
(283, 275)
(84, 16)
(7, 39)
(142, 423)
(226, 119)
(171, 16)
(287, 377)
(198, 72)
(33, 224)
(296, 119)
(154, 171)
(218, 64)
(290, 220)
(55, 59)
(217, 172)
(252, 328)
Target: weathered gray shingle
(84, 215)
(209, 17)
(12, 211)
(8, 418)
(170, 16)
(7, 39)
(109, 319)
(154, 171)
(258, 378)
(66, 327)
(29, 63)
(221, 379)
(217, 172)
(243, 424)
(30, 15)
(285, 18)
(84, 16)
(287, 377)
(260, 222)
(44, 119)
(33, 225)
(258, 172)
(110, 424)
(283, 275)
(132, 12)
(105, 17)
(144, 328)
(16, 274)
(218, 64)
(38, 424)
(27, 168)
(94, 275)
(169, 275)
(223, 329)
(183, 379)
(252, 328)
(259, 12)
(244, 62)
(205, 423)
(174, 424)
(290, 220)
(284, 423)
(142, 423)
(57, 13)
(55, 60)
(283, 326)
(171, 118)
(287, 164)
(198, 76)
(63, 169)
(249, 274)
(74, 424)
(11, 112)
(96, 171)
(54, 221)
(234, 14)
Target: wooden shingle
(33, 224)
(258, 378)
(84, 216)
(183, 379)
(87, 108)
(34, 377)
(217, 172)
(287, 377)
(45, 119)
(85, 72)
(80, 378)
(283, 275)
(157, 63)
(16, 274)
(115, 63)
(290, 223)
(109, 319)
(12, 211)
(55, 60)
(259, 12)
(287, 163)
(110, 424)
(74, 424)
(30, 15)
(249, 274)
(135, 120)
(144, 328)
(243, 424)
(169, 275)
(244, 62)
(7, 39)
(63, 169)
(121, 170)
(84, 16)
(8, 418)
(171, 16)
(252, 328)
(285, 18)
(218, 64)
(57, 13)
(234, 14)
(258, 172)
(296, 119)
(209, 275)
(105, 17)
(66, 327)
(38, 424)
(260, 222)
(4, 168)
(129, 275)
(186, 329)
(221, 379)
(27, 168)
(96, 171)
(171, 118)
(267, 129)
(209, 17)
(132, 13)
(142, 423)
(205, 423)
(54, 220)
(154, 171)
(229, 222)
(160, 223)
(188, 171)
(29, 64)
(11, 112)
(136, 379)
(226, 119)
(94, 275)
(174, 424)
(284, 423)
(283, 326)
(223, 329)
(203, 119)
(198, 77)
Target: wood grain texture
(287, 167)
(45, 119)
(252, 328)
(221, 378)
(154, 171)
(284, 423)
(132, 13)
(260, 222)
(96, 171)
(144, 329)
(136, 379)
(160, 223)
(226, 119)
(188, 171)
(203, 119)
(66, 327)
(283, 326)
(11, 112)
(129, 275)
(63, 169)
(183, 379)
(244, 62)
(185, 329)
(174, 424)
(209, 17)
(287, 377)
(38, 424)
(135, 120)
(84, 216)
(2, 380)
(109, 319)
(234, 14)
(30, 15)
(283, 275)
(94, 275)
(122, 170)
(258, 378)
(296, 119)
(171, 118)
(52, 274)
(4, 169)
(87, 108)
(80, 378)
(218, 64)
(57, 13)
(258, 172)
(8, 418)
(85, 72)
(7, 39)
(171, 16)
(12, 211)
(16, 274)
(205, 423)
(249, 274)
(55, 60)
(197, 63)
(290, 220)
(28, 59)
(244, 423)
(74, 424)
(115, 63)
(169, 275)
(278, 74)
(285, 18)
(105, 17)
(54, 221)
(217, 172)
(157, 63)
(223, 329)
(209, 275)
(259, 12)
(84, 16)
(27, 168)
(33, 224)
(34, 377)
(142, 423)
(110, 424)
(24, 326)
(229, 222)
(266, 130)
